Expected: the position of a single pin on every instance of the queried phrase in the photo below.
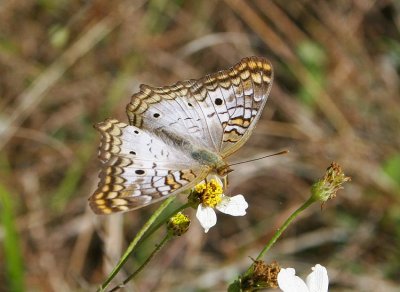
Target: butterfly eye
(132, 152)
(156, 115)
(218, 101)
(139, 171)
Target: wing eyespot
(218, 101)
(156, 115)
(139, 171)
(132, 152)
(136, 132)
(189, 104)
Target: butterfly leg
(225, 182)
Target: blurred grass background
(66, 65)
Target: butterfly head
(224, 170)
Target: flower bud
(326, 188)
(178, 224)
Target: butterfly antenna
(259, 158)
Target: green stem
(279, 232)
(155, 251)
(134, 242)
(289, 220)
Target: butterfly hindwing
(218, 111)
(139, 169)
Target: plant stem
(280, 230)
(155, 251)
(134, 242)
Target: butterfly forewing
(139, 169)
(251, 94)
(179, 108)
(217, 111)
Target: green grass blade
(12, 250)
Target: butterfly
(178, 134)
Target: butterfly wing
(139, 168)
(217, 112)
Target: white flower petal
(206, 217)
(317, 280)
(235, 206)
(289, 282)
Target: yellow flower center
(210, 193)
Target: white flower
(211, 196)
(317, 280)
